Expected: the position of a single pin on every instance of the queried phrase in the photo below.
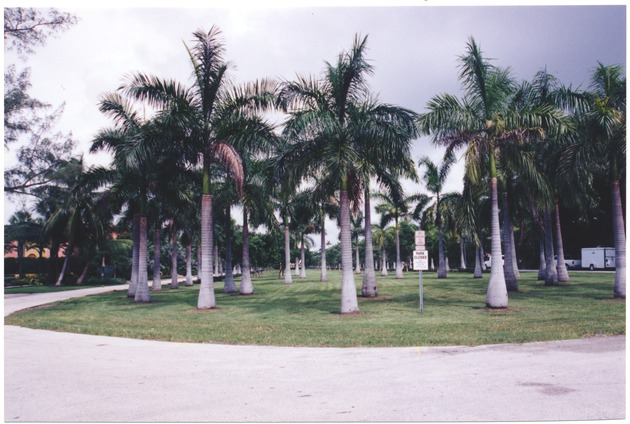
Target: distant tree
(484, 122)
(394, 207)
(600, 147)
(43, 151)
(215, 114)
(324, 143)
(434, 178)
(22, 229)
(27, 28)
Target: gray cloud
(414, 49)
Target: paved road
(53, 376)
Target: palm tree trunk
(478, 263)
(135, 235)
(206, 298)
(199, 261)
(323, 274)
(53, 261)
(189, 279)
(157, 278)
(383, 262)
(142, 290)
(462, 255)
(174, 280)
(399, 272)
(246, 287)
(90, 256)
(20, 253)
(303, 259)
(620, 242)
(368, 288)
(349, 302)
(215, 257)
(561, 267)
(496, 296)
(83, 272)
(66, 260)
(287, 255)
(513, 254)
(551, 274)
(543, 262)
(357, 257)
(441, 271)
(508, 267)
(229, 285)
(297, 264)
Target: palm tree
(216, 115)
(283, 182)
(325, 204)
(22, 229)
(305, 213)
(320, 125)
(434, 179)
(80, 216)
(256, 209)
(53, 198)
(484, 122)
(381, 242)
(600, 147)
(384, 133)
(356, 229)
(546, 91)
(394, 206)
(474, 206)
(224, 198)
(133, 142)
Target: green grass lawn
(306, 313)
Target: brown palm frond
(226, 155)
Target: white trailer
(598, 258)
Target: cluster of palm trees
(209, 143)
(538, 141)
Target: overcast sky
(414, 50)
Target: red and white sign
(419, 240)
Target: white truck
(598, 258)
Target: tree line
(530, 149)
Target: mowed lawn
(306, 313)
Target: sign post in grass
(421, 263)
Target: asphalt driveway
(52, 376)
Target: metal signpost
(420, 262)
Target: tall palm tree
(381, 242)
(356, 229)
(83, 220)
(320, 125)
(216, 115)
(384, 133)
(469, 212)
(601, 148)
(54, 197)
(483, 122)
(256, 209)
(133, 142)
(394, 206)
(325, 205)
(434, 179)
(546, 90)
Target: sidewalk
(66, 377)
